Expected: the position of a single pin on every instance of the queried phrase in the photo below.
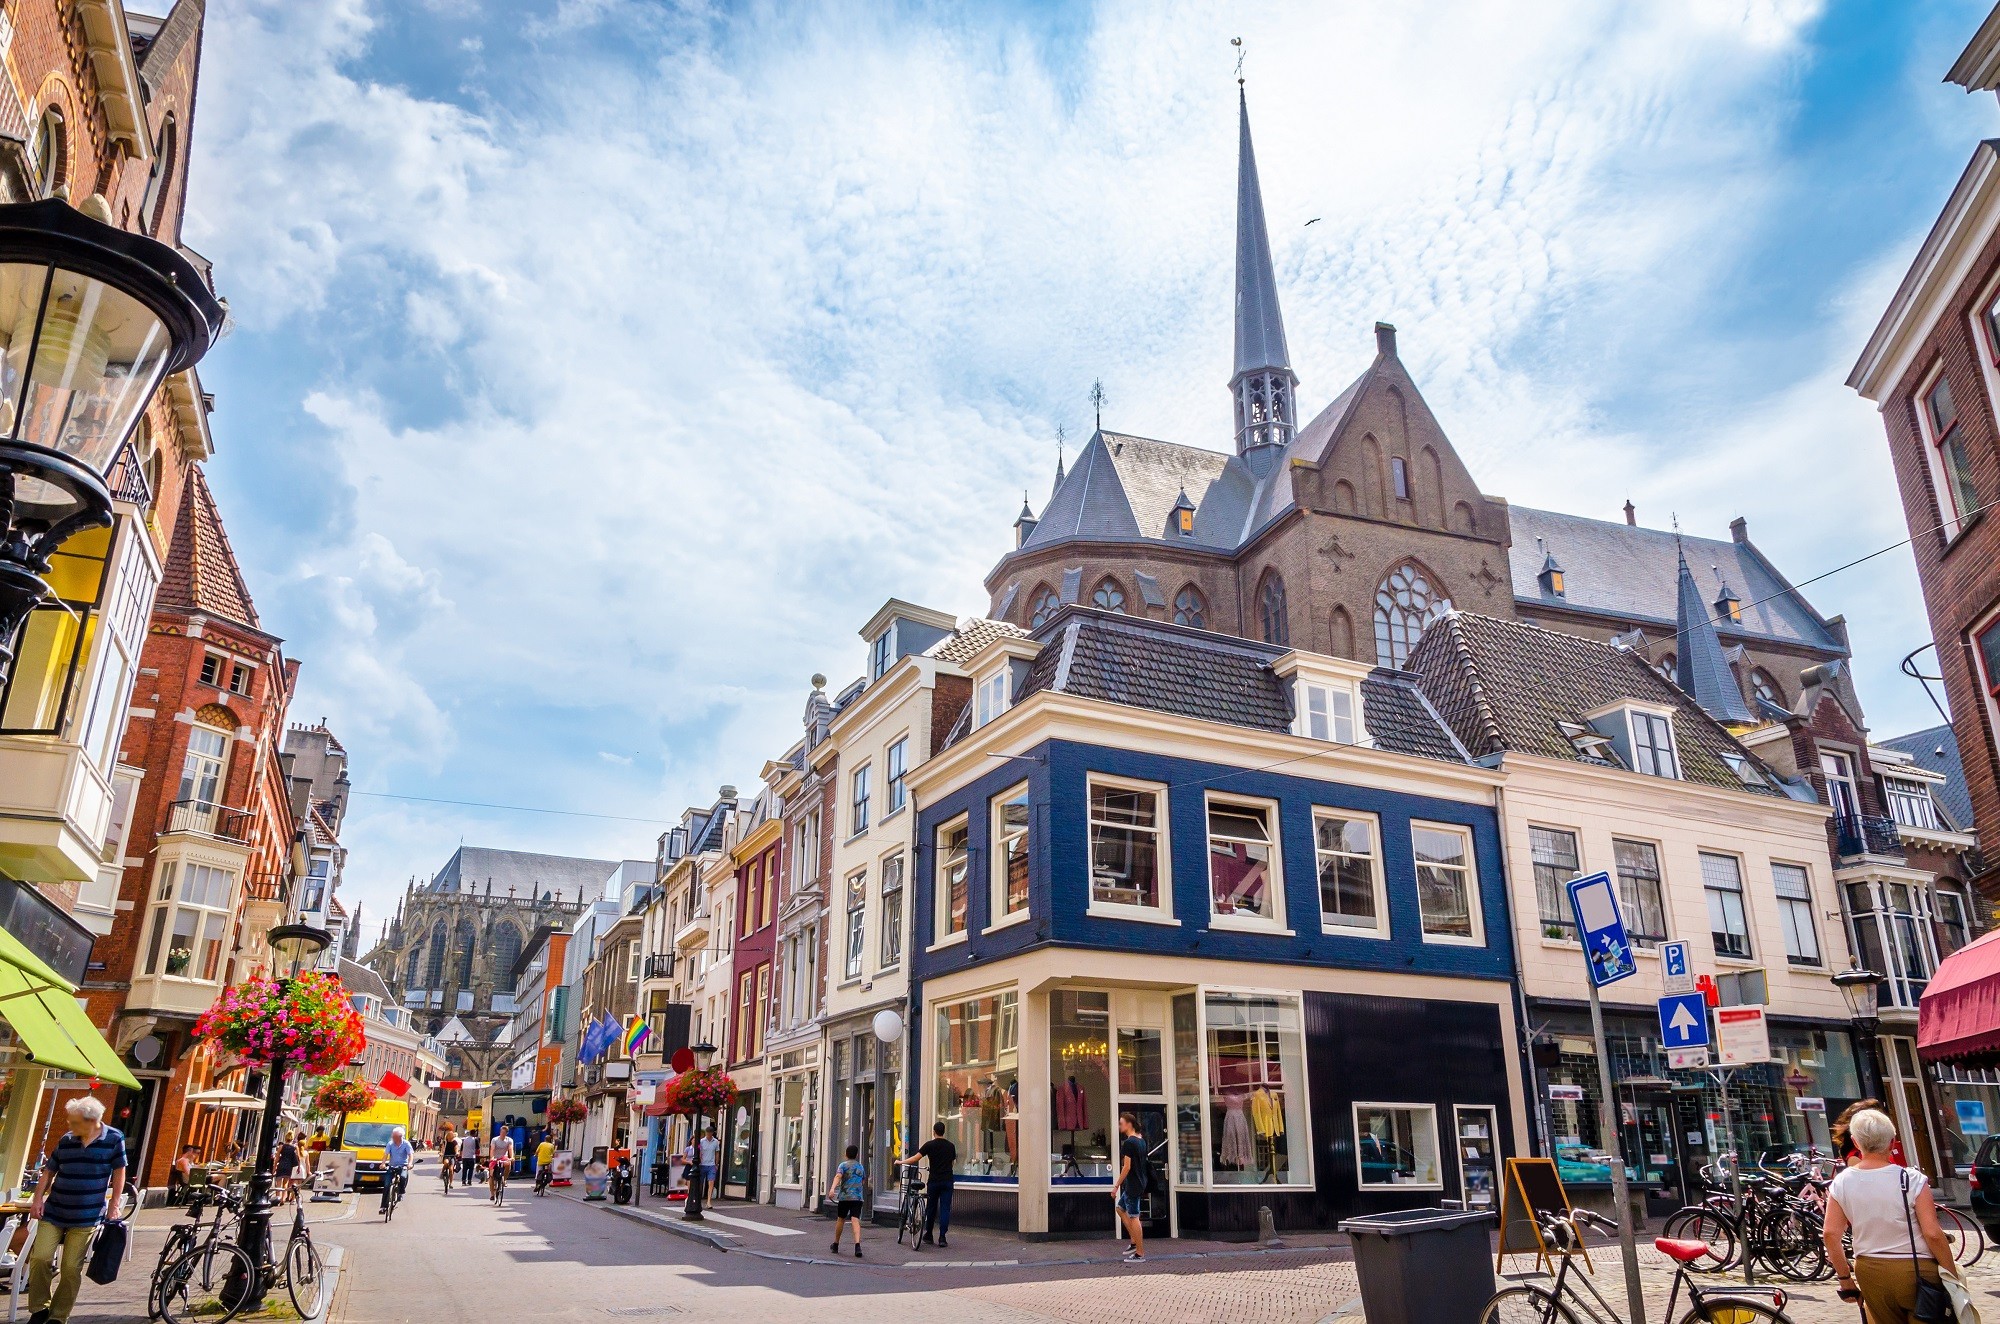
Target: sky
(599, 366)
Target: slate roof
(1260, 327)
(201, 573)
(527, 873)
(1935, 749)
(1700, 669)
(1631, 572)
(1504, 686)
(360, 979)
(1166, 668)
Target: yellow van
(366, 1136)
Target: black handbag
(107, 1252)
(1933, 1302)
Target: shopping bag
(1962, 1308)
(107, 1253)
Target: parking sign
(1674, 967)
(1607, 954)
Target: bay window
(1396, 1146)
(190, 926)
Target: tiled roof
(1935, 749)
(1504, 685)
(1212, 678)
(965, 642)
(201, 573)
(1631, 573)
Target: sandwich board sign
(1675, 972)
(1741, 1036)
(1607, 952)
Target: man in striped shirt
(82, 1179)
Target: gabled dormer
(1326, 696)
(900, 628)
(1641, 734)
(998, 671)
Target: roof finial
(1237, 42)
(1097, 401)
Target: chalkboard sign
(1532, 1188)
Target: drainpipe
(1524, 1033)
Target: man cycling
(397, 1155)
(498, 1160)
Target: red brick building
(210, 840)
(1932, 366)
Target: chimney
(1631, 513)
(1385, 339)
(1739, 529)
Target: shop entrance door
(1478, 1132)
(1157, 1215)
(1906, 1095)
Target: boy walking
(850, 1189)
(1131, 1189)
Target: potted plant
(562, 1112)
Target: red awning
(1959, 1016)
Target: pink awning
(1959, 1016)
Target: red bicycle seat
(1687, 1252)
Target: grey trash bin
(1423, 1266)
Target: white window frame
(1162, 911)
(1274, 923)
(1473, 899)
(1437, 1147)
(170, 898)
(991, 694)
(901, 891)
(1380, 929)
(1632, 721)
(941, 936)
(1324, 722)
(1743, 901)
(997, 914)
(1950, 518)
(860, 799)
(1811, 905)
(854, 903)
(896, 769)
(1915, 793)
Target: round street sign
(682, 1060)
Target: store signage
(1971, 1117)
(1683, 1021)
(1741, 1036)
(1687, 1059)
(1566, 1093)
(1674, 968)
(1800, 1081)
(41, 927)
(1808, 1104)
(1607, 953)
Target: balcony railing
(202, 819)
(660, 965)
(1866, 834)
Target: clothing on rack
(992, 1108)
(1237, 1149)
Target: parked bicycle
(1534, 1304)
(203, 1275)
(910, 1218)
(302, 1265)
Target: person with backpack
(1130, 1190)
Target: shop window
(1554, 855)
(791, 1129)
(1722, 880)
(1795, 913)
(1080, 1118)
(1244, 881)
(1127, 866)
(1396, 1145)
(1639, 892)
(190, 921)
(1447, 890)
(1351, 894)
(857, 923)
(1256, 1091)
(1011, 845)
(953, 849)
(899, 770)
(892, 912)
(1189, 1114)
(978, 1085)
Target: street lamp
(297, 945)
(1863, 990)
(92, 319)
(704, 1054)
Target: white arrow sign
(1682, 1022)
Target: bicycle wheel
(1526, 1305)
(1711, 1227)
(302, 1274)
(208, 1285)
(1968, 1241)
(1734, 1310)
(179, 1240)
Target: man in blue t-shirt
(83, 1179)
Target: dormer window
(1729, 607)
(1653, 745)
(1181, 520)
(1746, 771)
(1551, 577)
(1187, 523)
(879, 654)
(1325, 712)
(1589, 744)
(990, 700)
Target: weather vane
(1237, 42)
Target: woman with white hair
(81, 1178)
(1889, 1210)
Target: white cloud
(653, 376)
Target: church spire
(1700, 668)
(1263, 384)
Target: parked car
(1986, 1186)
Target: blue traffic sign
(1606, 951)
(1674, 960)
(1684, 1021)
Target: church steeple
(1701, 670)
(1263, 385)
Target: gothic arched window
(1271, 613)
(1765, 688)
(1108, 597)
(462, 941)
(1190, 608)
(1404, 604)
(434, 962)
(506, 951)
(1043, 605)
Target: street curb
(329, 1282)
(717, 1240)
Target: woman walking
(1889, 1209)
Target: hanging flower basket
(308, 1019)
(700, 1092)
(564, 1111)
(337, 1094)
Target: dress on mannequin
(1237, 1150)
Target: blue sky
(600, 365)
